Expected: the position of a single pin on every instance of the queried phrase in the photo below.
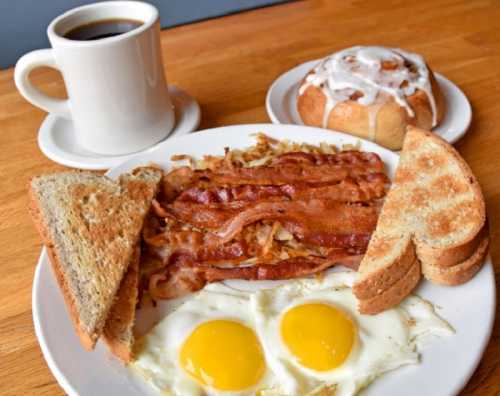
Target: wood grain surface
(228, 64)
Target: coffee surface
(102, 29)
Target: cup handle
(24, 66)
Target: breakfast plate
(281, 102)
(469, 308)
(56, 137)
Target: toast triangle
(118, 332)
(90, 225)
(434, 212)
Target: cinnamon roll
(373, 93)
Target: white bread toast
(118, 331)
(394, 294)
(461, 272)
(434, 213)
(90, 225)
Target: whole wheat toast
(90, 225)
(118, 331)
(434, 212)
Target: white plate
(56, 137)
(446, 364)
(282, 98)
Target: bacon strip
(305, 218)
(184, 275)
(286, 269)
(360, 189)
(312, 220)
(302, 167)
(284, 169)
(204, 247)
(348, 157)
(288, 173)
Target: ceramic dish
(57, 140)
(281, 103)
(446, 365)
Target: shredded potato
(261, 153)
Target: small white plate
(56, 137)
(281, 103)
(446, 366)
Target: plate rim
(39, 333)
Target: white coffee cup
(117, 92)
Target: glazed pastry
(373, 93)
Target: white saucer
(282, 98)
(56, 137)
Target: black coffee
(102, 29)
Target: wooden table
(228, 64)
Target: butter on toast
(434, 212)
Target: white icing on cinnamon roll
(370, 74)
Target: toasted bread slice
(118, 331)
(434, 211)
(394, 294)
(445, 201)
(90, 225)
(458, 273)
(389, 259)
(449, 258)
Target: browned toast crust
(459, 273)
(393, 295)
(88, 340)
(463, 248)
(435, 202)
(450, 257)
(137, 192)
(118, 332)
(385, 277)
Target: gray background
(23, 22)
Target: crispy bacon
(314, 220)
(176, 181)
(289, 168)
(360, 189)
(246, 192)
(204, 247)
(176, 280)
(295, 267)
(288, 173)
(302, 167)
(329, 239)
(316, 209)
(185, 275)
(348, 157)
(200, 216)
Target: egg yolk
(223, 354)
(319, 335)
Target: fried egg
(207, 346)
(316, 342)
(304, 337)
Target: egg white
(157, 358)
(384, 342)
